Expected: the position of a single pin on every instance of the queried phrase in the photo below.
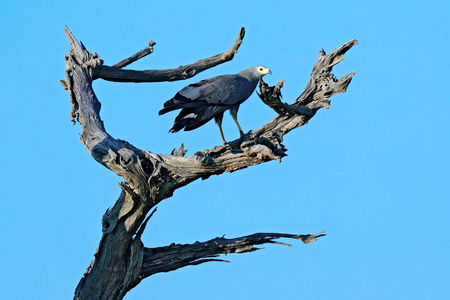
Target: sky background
(373, 171)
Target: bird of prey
(210, 98)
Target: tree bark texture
(121, 260)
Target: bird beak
(269, 72)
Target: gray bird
(210, 98)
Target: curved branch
(120, 261)
(119, 257)
(175, 256)
(180, 73)
(265, 143)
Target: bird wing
(221, 90)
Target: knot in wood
(189, 72)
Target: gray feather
(200, 102)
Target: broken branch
(175, 256)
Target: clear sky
(373, 170)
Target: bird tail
(166, 110)
(177, 102)
(189, 119)
(177, 126)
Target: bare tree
(121, 260)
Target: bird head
(261, 70)
(255, 73)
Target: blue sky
(372, 171)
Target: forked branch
(115, 73)
(121, 260)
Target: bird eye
(261, 69)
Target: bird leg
(239, 126)
(219, 123)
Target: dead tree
(121, 260)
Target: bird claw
(244, 137)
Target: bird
(209, 98)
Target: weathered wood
(175, 256)
(180, 73)
(121, 261)
(143, 53)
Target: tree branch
(180, 73)
(175, 256)
(265, 144)
(121, 261)
(143, 53)
(271, 96)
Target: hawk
(207, 99)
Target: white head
(262, 71)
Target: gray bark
(121, 260)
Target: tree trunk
(121, 260)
